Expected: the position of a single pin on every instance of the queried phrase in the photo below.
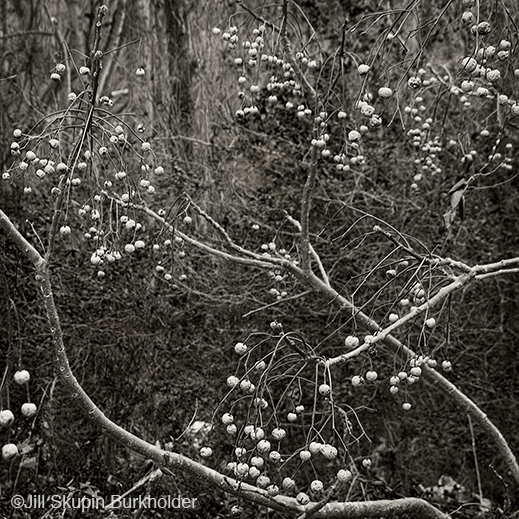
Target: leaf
(457, 203)
(456, 198)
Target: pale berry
(258, 434)
(240, 452)
(414, 82)
(344, 475)
(240, 348)
(316, 485)
(385, 92)
(371, 376)
(469, 64)
(315, 447)
(29, 409)
(357, 380)
(263, 446)
(227, 419)
(263, 482)
(324, 389)
(273, 490)
(279, 434)
(21, 377)
(6, 417)
(329, 452)
(351, 341)
(354, 135)
(275, 456)
(206, 452)
(305, 455)
(257, 461)
(302, 498)
(241, 469)
(9, 451)
(288, 483)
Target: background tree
(290, 189)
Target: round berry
(233, 381)
(469, 64)
(302, 498)
(357, 380)
(385, 92)
(6, 417)
(263, 482)
(371, 376)
(275, 456)
(9, 451)
(344, 475)
(305, 455)
(416, 371)
(29, 409)
(351, 341)
(324, 389)
(316, 485)
(329, 452)
(263, 446)
(257, 461)
(241, 469)
(414, 82)
(288, 483)
(227, 419)
(206, 452)
(279, 434)
(21, 377)
(240, 348)
(273, 490)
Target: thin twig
(476, 464)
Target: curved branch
(431, 374)
(32, 254)
(171, 459)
